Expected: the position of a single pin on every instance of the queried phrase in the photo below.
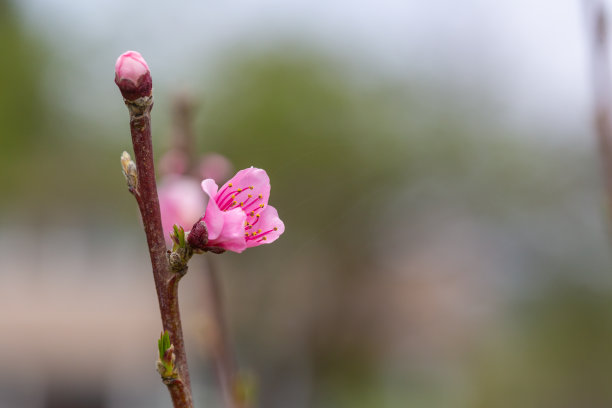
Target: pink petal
(131, 66)
(245, 179)
(210, 187)
(267, 222)
(232, 235)
(213, 217)
(132, 76)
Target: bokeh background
(434, 164)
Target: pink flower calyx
(132, 76)
(198, 236)
(238, 216)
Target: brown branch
(224, 359)
(166, 281)
(183, 135)
(602, 91)
(180, 393)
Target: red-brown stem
(597, 29)
(225, 363)
(166, 281)
(180, 394)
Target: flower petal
(213, 217)
(232, 234)
(210, 187)
(131, 66)
(270, 225)
(251, 182)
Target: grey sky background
(530, 54)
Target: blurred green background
(445, 244)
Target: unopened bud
(165, 363)
(198, 236)
(129, 171)
(132, 76)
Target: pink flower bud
(132, 76)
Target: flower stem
(166, 281)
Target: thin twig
(183, 135)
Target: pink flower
(238, 216)
(132, 76)
(180, 201)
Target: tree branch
(166, 281)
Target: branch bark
(166, 281)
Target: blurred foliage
(355, 167)
(21, 105)
(45, 163)
(551, 352)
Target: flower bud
(198, 236)
(129, 171)
(132, 76)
